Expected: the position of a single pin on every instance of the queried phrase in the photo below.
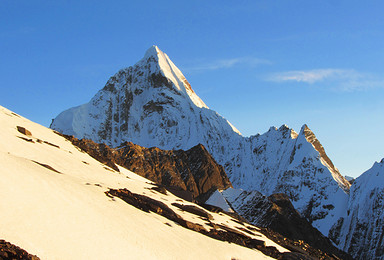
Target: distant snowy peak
(311, 138)
(371, 179)
(284, 130)
(291, 150)
(150, 104)
(360, 231)
(156, 68)
(162, 63)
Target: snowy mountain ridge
(152, 104)
(160, 62)
(360, 230)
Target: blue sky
(257, 63)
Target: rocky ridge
(191, 174)
(240, 235)
(276, 213)
(11, 251)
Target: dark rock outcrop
(194, 210)
(277, 214)
(219, 232)
(190, 174)
(10, 251)
(47, 166)
(24, 131)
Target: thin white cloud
(361, 84)
(229, 63)
(338, 79)
(312, 76)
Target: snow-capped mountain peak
(152, 104)
(152, 51)
(161, 63)
(287, 131)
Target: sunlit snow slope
(53, 204)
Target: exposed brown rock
(222, 232)
(160, 189)
(212, 208)
(51, 144)
(47, 166)
(190, 174)
(24, 131)
(26, 139)
(300, 249)
(10, 251)
(194, 210)
(281, 221)
(179, 192)
(310, 136)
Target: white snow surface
(169, 70)
(361, 227)
(66, 215)
(152, 104)
(218, 200)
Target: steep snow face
(218, 200)
(282, 161)
(53, 204)
(360, 231)
(161, 63)
(152, 104)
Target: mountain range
(151, 104)
(64, 198)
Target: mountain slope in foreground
(152, 104)
(58, 202)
